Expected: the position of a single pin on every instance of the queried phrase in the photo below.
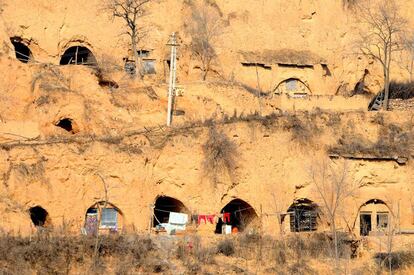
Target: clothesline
(236, 211)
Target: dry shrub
(401, 90)
(32, 172)
(106, 66)
(220, 155)
(50, 78)
(378, 119)
(194, 255)
(392, 141)
(47, 254)
(397, 259)
(303, 129)
(226, 247)
(334, 119)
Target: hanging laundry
(179, 220)
(210, 218)
(202, 217)
(226, 217)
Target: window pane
(109, 217)
(382, 220)
(291, 85)
(149, 67)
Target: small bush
(226, 247)
(401, 90)
(397, 259)
(303, 129)
(220, 155)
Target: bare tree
(334, 186)
(205, 27)
(383, 25)
(131, 12)
(407, 56)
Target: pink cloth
(202, 217)
(210, 218)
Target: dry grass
(60, 254)
(131, 254)
(392, 141)
(106, 66)
(49, 78)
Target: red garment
(201, 217)
(226, 217)
(210, 218)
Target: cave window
(163, 206)
(109, 218)
(143, 53)
(102, 216)
(293, 87)
(78, 55)
(365, 223)
(382, 220)
(303, 216)
(23, 53)
(130, 67)
(66, 124)
(241, 215)
(148, 66)
(38, 215)
(374, 216)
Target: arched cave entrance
(39, 216)
(23, 53)
(103, 216)
(374, 216)
(303, 214)
(163, 206)
(78, 55)
(68, 125)
(293, 87)
(241, 215)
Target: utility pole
(173, 68)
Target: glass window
(382, 220)
(149, 66)
(143, 53)
(109, 218)
(291, 85)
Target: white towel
(178, 218)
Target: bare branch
(383, 26)
(130, 11)
(204, 29)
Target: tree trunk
(335, 236)
(137, 58)
(386, 91)
(387, 62)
